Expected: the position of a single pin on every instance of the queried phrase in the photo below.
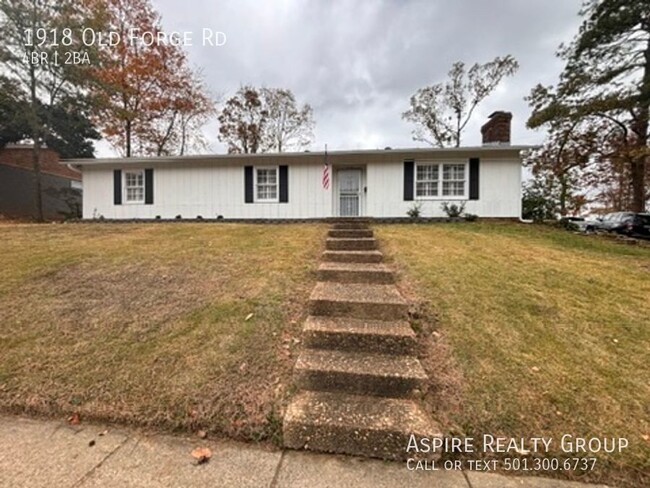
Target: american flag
(326, 172)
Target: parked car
(639, 226)
(627, 223)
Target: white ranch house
(369, 183)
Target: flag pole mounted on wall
(326, 171)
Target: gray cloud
(358, 62)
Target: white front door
(349, 192)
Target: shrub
(415, 210)
(471, 217)
(453, 210)
(566, 224)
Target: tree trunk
(564, 190)
(641, 130)
(638, 184)
(127, 136)
(38, 183)
(36, 148)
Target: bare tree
(288, 126)
(266, 119)
(441, 111)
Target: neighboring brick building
(61, 185)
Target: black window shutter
(473, 178)
(409, 169)
(284, 184)
(117, 187)
(248, 184)
(148, 186)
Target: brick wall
(17, 185)
(21, 157)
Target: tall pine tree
(607, 76)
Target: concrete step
(353, 256)
(350, 233)
(358, 301)
(377, 336)
(356, 425)
(355, 273)
(359, 373)
(351, 244)
(350, 225)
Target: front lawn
(533, 331)
(183, 326)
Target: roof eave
(217, 157)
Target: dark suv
(628, 223)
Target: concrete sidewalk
(37, 453)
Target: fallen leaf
(202, 434)
(248, 317)
(91, 443)
(201, 454)
(645, 437)
(74, 419)
(103, 432)
(535, 369)
(243, 366)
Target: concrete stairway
(358, 377)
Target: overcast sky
(357, 62)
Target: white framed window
(453, 180)
(427, 180)
(134, 186)
(440, 180)
(266, 184)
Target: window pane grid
(427, 177)
(453, 188)
(267, 184)
(134, 186)
(427, 189)
(453, 179)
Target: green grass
(146, 324)
(536, 331)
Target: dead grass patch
(548, 333)
(146, 324)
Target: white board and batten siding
(206, 190)
(499, 190)
(215, 186)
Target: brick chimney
(497, 129)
